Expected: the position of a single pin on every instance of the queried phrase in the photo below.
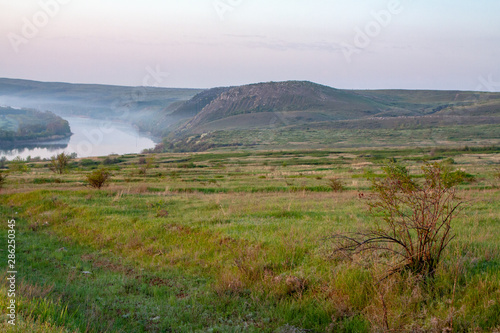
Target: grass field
(235, 241)
(349, 134)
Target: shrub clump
(336, 184)
(98, 178)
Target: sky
(348, 44)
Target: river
(91, 138)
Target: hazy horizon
(450, 45)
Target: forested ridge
(25, 124)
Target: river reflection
(91, 138)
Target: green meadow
(238, 241)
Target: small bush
(111, 160)
(451, 178)
(336, 184)
(448, 161)
(88, 162)
(18, 165)
(98, 178)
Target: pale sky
(350, 44)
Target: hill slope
(305, 111)
(297, 101)
(140, 106)
(275, 104)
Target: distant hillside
(140, 106)
(272, 114)
(301, 101)
(26, 125)
(300, 106)
(432, 102)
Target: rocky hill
(304, 114)
(297, 102)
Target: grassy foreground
(235, 242)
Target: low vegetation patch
(98, 178)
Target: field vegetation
(240, 241)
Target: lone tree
(59, 163)
(413, 218)
(98, 178)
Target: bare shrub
(98, 178)
(413, 218)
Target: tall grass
(248, 258)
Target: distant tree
(98, 178)
(3, 162)
(59, 163)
